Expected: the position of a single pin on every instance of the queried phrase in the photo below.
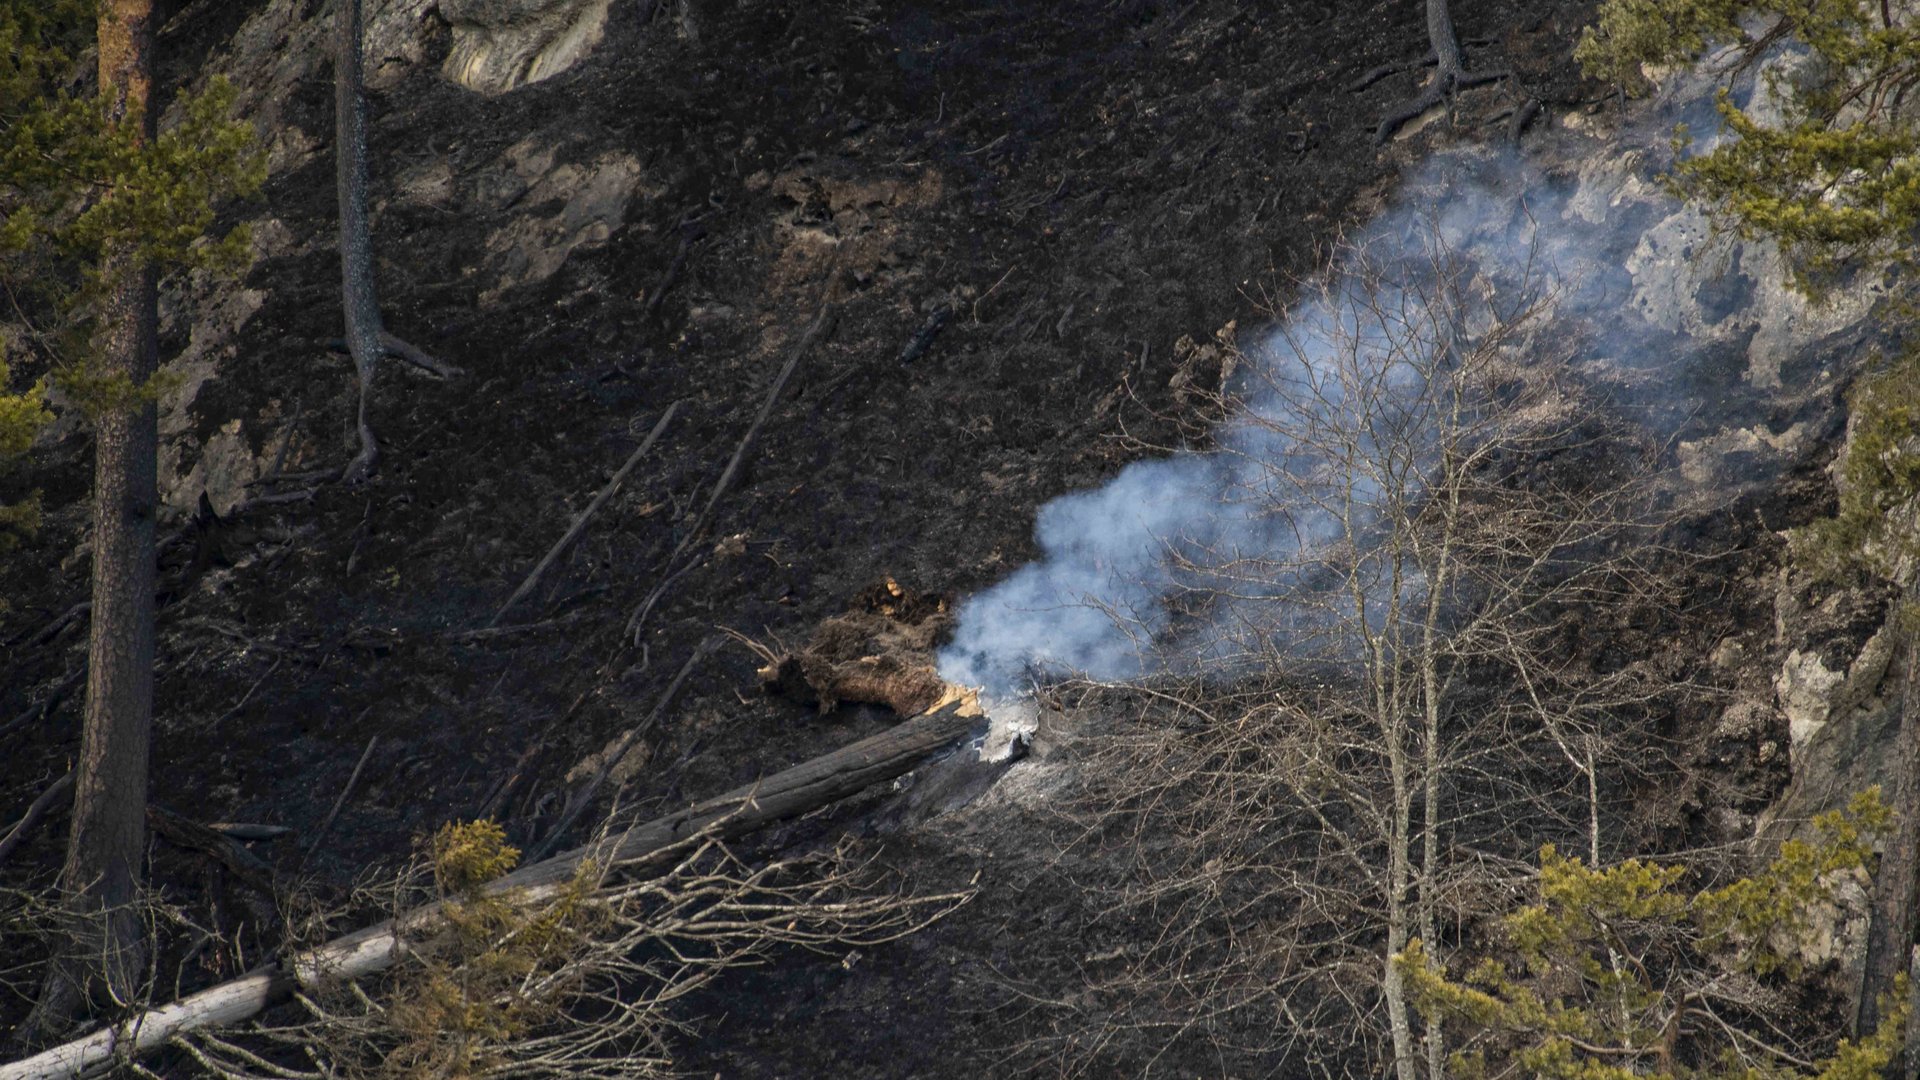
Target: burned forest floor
(998, 236)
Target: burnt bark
(358, 295)
(1896, 887)
(100, 879)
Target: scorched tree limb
(803, 788)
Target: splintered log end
(879, 653)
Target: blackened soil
(1080, 184)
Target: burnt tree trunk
(1449, 72)
(357, 291)
(1896, 888)
(104, 956)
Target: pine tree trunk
(101, 878)
(1891, 933)
(357, 290)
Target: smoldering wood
(808, 786)
(879, 652)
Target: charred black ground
(1079, 185)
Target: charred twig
(352, 779)
(580, 522)
(60, 622)
(821, 322)
(691, 232)
(579, 802)
(490, 633)
(360, 531)
(504, 787)
(639, 617)
(286, 442)
(251, 690)
(47, 704)
(34, 813)
(211, 842)
(820, 326)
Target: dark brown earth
(1081, 184)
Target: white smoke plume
(1675, 325)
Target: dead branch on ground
(629, 853)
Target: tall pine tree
(96, 204)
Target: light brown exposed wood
(805, 787)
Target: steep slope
(1018, 218)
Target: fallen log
(212, 843)
(580, 521)
(34, 813)
(805, 787)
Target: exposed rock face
(592, 198)
(536, 205)
(501, 44)
(1811, 694)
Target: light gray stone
(499, 45)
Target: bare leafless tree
(367, 337)
(1387, 709)
(1450, 73)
